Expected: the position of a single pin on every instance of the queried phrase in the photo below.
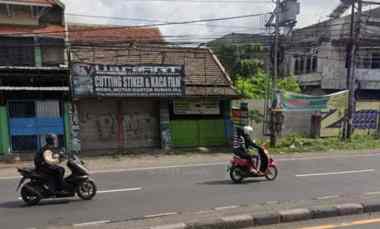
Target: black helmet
(51, 139)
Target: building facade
(34, 79)
(317, 56)
(136, 92)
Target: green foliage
(301, 144)
(256, 116)
(289, 84)
(245, 65)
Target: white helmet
(248, 130)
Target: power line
(205, 1)
(144, 26)
(143, 20)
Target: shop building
(140, 93)
(34, 78)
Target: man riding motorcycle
(242, 141)
(47, 162)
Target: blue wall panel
(36, 126)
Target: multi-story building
(34, 79)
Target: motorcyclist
(47, 162)
(242, 142)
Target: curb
(285, 216)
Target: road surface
(151, 191)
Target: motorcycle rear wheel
(31, 198)
(236, 175)
(86, 190)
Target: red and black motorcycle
(242, 168)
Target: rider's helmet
(248, 130)
(52, 139)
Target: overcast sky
(312, 11)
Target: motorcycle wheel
(236, 175)
(86, 190)
(272, 173)
(30, 197)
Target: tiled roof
(35, 2)
(48, 31)
(109, 34)
(204, 75)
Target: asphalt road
(130, 194)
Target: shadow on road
(21, 204)
(229, 182)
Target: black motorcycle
(37, 188)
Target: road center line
(336, 173)
(120, 190)
(92, 223)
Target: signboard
(196, 107)
(240, 117)
(298, 102)
(128, 80)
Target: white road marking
(226, 208)
(92, 223)
(160, 167)
(372, 193)
(10, 178)
(336, 173)
(172, 226)
(328, 197)
(160, 215)
(120, 190)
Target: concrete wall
(295, 122)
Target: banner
(128, 80)
(289, 101)
(197, 107)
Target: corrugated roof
(101, 34)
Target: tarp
(289, 101)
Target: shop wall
(4, 131)
(117, 124)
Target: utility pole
(352, 51)
(273, 136)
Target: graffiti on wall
(139, 126)
(105, 124)
(75, 127)
(365, 118)
(165, 126)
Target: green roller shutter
(191, 133)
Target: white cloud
(312, 11)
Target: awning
(5, 88)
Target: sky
(153, 11)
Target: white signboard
(197, 107)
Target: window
(16, 52)
(375, 61)
(308, 64)
(297, 66)
(3, 10)
(315, 64)
(22, 109)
